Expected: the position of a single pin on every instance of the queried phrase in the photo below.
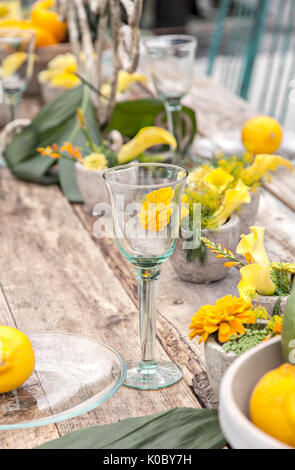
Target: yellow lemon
(262, 134)
(272, 405)
(12, 63)
(17, 360)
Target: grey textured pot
(217, 362)
(268, 302)
(236, 389)
(92, 189)
(248, 212)
(213, 268)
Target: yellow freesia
(12, 63)
(145, 138)
(255, 279)
(95, 161)
(262, 165)
(61, 72)
(233, 198)
(219, 178)
(124, 80)
(252, 247)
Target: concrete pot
(268, 302)
(92, 189)
(248, 212)
(213, 268)
(217, 362)
(236, 389)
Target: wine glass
(16, 65)
(171, 60)
(146, 204)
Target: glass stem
(147, 293)
(13, 101)
(173, 108)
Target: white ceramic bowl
(236, 389)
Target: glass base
(152, 376)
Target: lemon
(17, 359)
(262, 134)
(272, 405)
(12, 63)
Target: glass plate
(73, 374)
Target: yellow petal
(65, 80)
(125, 79)
(263, 164)
(12, 63)
(255, 279)
(253, 245)
(219, 178)
(145, 138)
(233, 198)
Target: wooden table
(56, 275)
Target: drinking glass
(171, 60)
(146, 204)
(16, 65)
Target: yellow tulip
(255, 279)
(252, 247)
(262, 165)
(219, 178)
(233, 198)
(145, 138)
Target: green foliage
(193, 253)
(243, 343)
(281, 280)
(288, 331)
(177, 428)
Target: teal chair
(255, 41)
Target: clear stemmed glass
(146, 205)
(16, 65)
(171, 60)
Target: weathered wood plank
(283, 187)
(56, 278)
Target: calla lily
(124, 80)
(233, 198)
(255, 279)
(145, 138)
(252, 247)
(263, 164)
(219, 179)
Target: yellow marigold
(95, 161)
(227, 317)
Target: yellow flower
(198, 175)
(233, 198)
(145, 138)
(219, 178)
(262, 165)
(12, 63)
(288, 267)
(95, 161)
(255, 279)
(61, 72)
(124, 80)
(252, 247)
(227, 316)
(156, 209)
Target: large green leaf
(130, 116)
(177, 428)
(55, 123)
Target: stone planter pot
(248, 212)
(217, 362)
(268, 302)
(236, 389)
(92, 189)
(213, 268)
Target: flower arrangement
(235, 323)
(100, 156)
(258, 274)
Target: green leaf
(177, 428)
(131, 116)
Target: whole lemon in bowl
(262, 134)
(17, 360)
(272, 404)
